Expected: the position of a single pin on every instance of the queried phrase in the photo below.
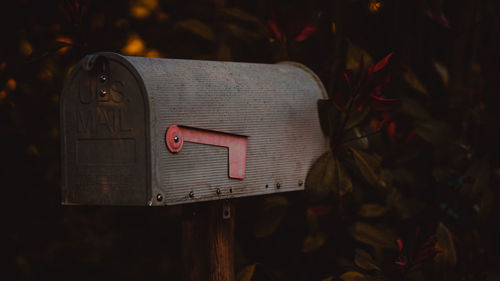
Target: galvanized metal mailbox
(145, 131)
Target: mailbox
(147, 131)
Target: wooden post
(208, 241)
(221, 241)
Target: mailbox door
(104, 135)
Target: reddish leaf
(382, 63)
(411, 136)
(438, 17)
(391, 131)
(275, 29)
(305, 32)
(347, 78)
(400, 263)
(400, 244)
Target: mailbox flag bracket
(237, 144)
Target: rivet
(159, 197)
(301, 182)
(218, 191)
(278, 185)
(103, 78)
(191, 194)
(176, 138)
(103, 92)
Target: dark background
(409, 190)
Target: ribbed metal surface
(274, 105)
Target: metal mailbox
(146, 131)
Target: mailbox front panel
(105, 144)
(273, 105)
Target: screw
(191, 194)
(103, 92)
(278, 185)
(103, 78)
(159, 197)
(176, 138)
(301, 182)
(217, 191)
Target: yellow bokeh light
(3, 94)
(11, 84)
(153, 53)
(135, 46)
(141, 9)
(374, 6)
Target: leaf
(270, 213)
(328, 175)
(197, 27)
(433, 131)
(313, 242)
(246, 273)
(438, 17)
(241, 15)
(382, 63)
(372, 236)
(414, 109)
(442, 71)
(447, 254)
(479, 172)
(368, 164)
(275, 29)
(364, 260)
(352, 276)
(305, 32)
(371, 210)
(321, 176)
(412, 79)
(356, 57)
(356, 117)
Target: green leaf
(412, 79)
(353, 57)
(356, 117)
(328, 175)
(447, 254)
(270, 213)
(433, 131)
(371, 210)
(374, 236)
(313, 242)
(368, 164)
(364, 260)
(246, 273)
(197, 27)
(414, 109)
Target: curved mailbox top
(168, 131)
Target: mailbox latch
(236, 144)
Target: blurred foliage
(407, 191)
